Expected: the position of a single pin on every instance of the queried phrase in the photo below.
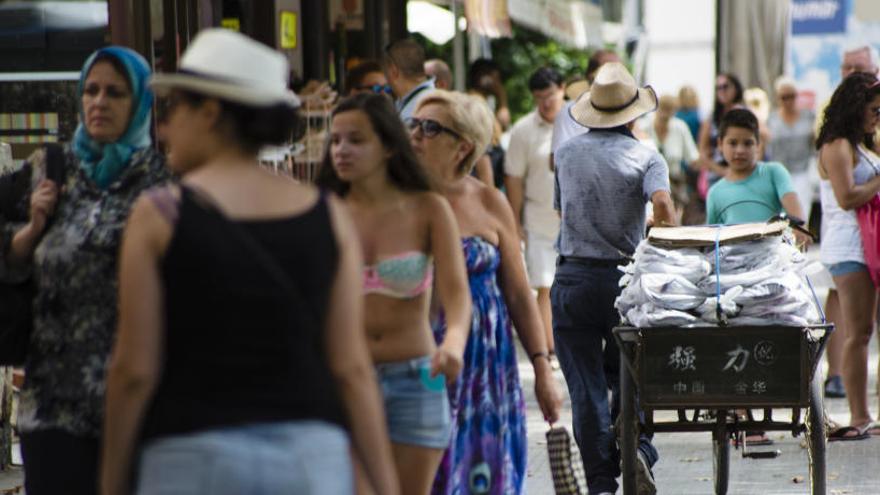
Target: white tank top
(840, 237)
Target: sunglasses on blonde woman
(430, 127)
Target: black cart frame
(717, 371)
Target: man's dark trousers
(582, 297)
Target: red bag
(703, 184)
(869, 225)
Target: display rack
(302, 159)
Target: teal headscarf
(105, 162)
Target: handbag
(868, 216)
(565, 463)
(16, 298)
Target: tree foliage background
(519, 56)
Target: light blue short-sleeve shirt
(756, 198)
(603, 181)
(407, 105)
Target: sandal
(754, 439)
(872, 429)
(848, 433)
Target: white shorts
(540, 260)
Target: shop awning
(488, 17)
(577, 23)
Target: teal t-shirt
(756, 198)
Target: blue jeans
(582, 298)
(845, 268)
(416, 405)
(303, 457)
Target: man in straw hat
(604, 178)
(564, 126)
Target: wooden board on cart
(704, 236)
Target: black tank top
(237, 349)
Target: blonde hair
(471, 118)
(668, 101)
(687, 97)
(781, 82)
(757, 101)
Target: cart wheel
(815, 422)
(721, 453)
(628, 428)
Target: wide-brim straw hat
(576, 88)
(614, 99)
(232, 67)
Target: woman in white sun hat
(241, 355)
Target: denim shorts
(302, 457)
(416, 405)
(846, 267)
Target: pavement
(685, 466)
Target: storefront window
(51, 36)
(43, 45)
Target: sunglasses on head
(429, 127)
(376, 88)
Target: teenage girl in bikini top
(405, 232)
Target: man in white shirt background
(529, 184)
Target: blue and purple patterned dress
(487, 453)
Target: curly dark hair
(845, 114)
(404, 169)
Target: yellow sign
(288, 30)
(233, 23)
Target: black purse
(16, 298)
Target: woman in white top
(792, 140)
(850, 178)
(673, 139)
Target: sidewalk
(685, 466)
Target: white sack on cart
(662, 290)
(770, 319)
(800, 307)
(671, 291)
(745, 279)
(648, 315)
(729, 308)
(771, 290)
(687, 262)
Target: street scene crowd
(202, 325)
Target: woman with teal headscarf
(70, 247)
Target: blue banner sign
(819, 16)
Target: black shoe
(834, 388)
(644, 477)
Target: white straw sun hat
(613, 99)
(232, 67)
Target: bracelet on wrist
(539, 355)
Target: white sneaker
(644, 477)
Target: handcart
(714, 372)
